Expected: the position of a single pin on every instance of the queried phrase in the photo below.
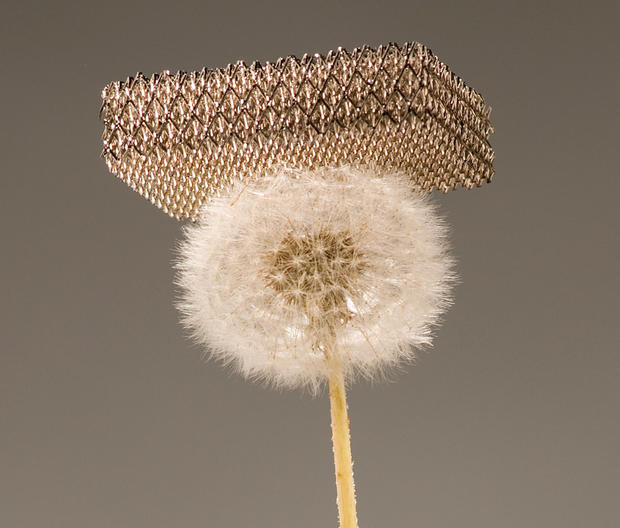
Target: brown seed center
(316, 271)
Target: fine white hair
(349, 252)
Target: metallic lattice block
(180, 138)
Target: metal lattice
(180, 138)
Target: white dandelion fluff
(277, 269)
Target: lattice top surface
(181, 138)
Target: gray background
(109, 418)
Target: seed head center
(316, 271)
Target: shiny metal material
(180, 138)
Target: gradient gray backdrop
(108, 417)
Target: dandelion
(306, 277)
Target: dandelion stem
(342, 446)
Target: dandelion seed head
(275, 265)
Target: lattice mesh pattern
(179, 138)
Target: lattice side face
(180, 138)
